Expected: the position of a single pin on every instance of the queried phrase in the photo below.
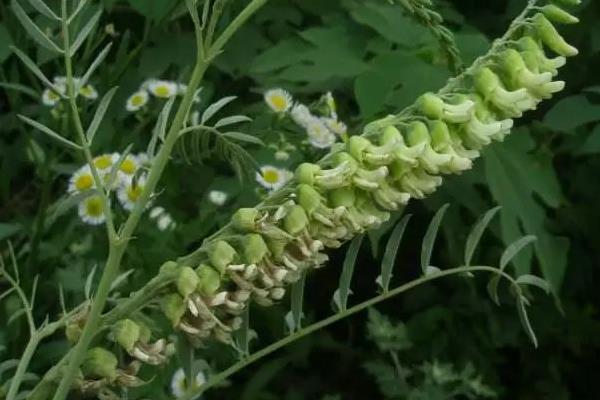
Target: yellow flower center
(134, 192)
(279, 102)
(103, 162)
(86, 91)
(162, 91)
(93, 207)
(84, 182)
(53, 96)
(128, 166)
(137, 100)
(271, 176)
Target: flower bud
(551, 37)
(308, 198)
(407, 155)
(511, 103)
(73, 332)
(100, 363)
(173, 306)
(536, 59)
(187, 281)
(441, 142)
(168, 267)
(364, 151)
(518, 73)
(255, 248)
(296, 220)
(419, 183)
(558, 15)
(209, 280)
(342, 197)
(569, 2)
(430, 160)
(434, 107)
(277, 246)
(221, 254)
(245, 219)
(305, 173)
(126, 333)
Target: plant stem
(119, 242)
(220, 377)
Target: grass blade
(476, 233)
(49, 132)
(99, 115)
(84, 33)
(43, 9)
(340, 297)
(430, 236)
(34, 31)
(389, 256)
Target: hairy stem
(220, 377)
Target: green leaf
(95, 64)
(34, 31)
(215, 107)
(99, 115)
(20, 88)
(522, 182)
(43, 9)
(7, 230)
(87, 288)
(8, 365)
(5, 43)
(243, 137)
(571, 112)
(155, 9)
(430, 236)
(533, 280)
(476, 233)
(389, 256)
(34, 68)
(244, 334)
(525, 321)
(84, 32)
(514, 248)
(340, 297)
(234, 119)
(119, 280)
(49, 132)
(163, 119)
(592, 143)
(294, 317)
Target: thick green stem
(220, 377)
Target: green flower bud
(145, 332)
(311, 174)
(73, 332)
(187, 281)
(245, 219)
(392, 137)
(551, 37)
(419, 183)
(434, 107)
(342, 197)
(433, 162)
(305, 173)
(536, 59)
(209, 280)
(364, 151)
(173, 307)
(277, 247)
(518, 73)
(255, 248)
(126, 333)
(169, 267)
(558, 15)
(100, 363)
(569, 2)
(356, 146)
(441, 142)
(296, 220)
(221, 254)
(511, 103)
(308, 198)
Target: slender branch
(194, 393)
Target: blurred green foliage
(452, 341)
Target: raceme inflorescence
(353, 189)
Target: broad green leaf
(7, 230)
(84, 32)
(389, 256)
(340, 297)
(99, 115)
(514, 248)
(34, 31)
(476, 233)
(243, 137)
(430, 236)
(43, 9)
(592, 143)
(571, 112)
(533, 280)
(215, 107)
(49, 132)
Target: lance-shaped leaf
(293, 318)
(525, 320)
(429, 239)
(234, 119)
(84, 33)
(476, 233)
(43, 9)
(340, 297)
(391, 249)
(34, 68)
(34, 31)
(77, 10)
(99, 115)
(95, 64)
(49, 132)
(533, 280)
(215, 107)
(243, 137)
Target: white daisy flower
(279, 100)
(179, 384)
(81, 180)
(91, 210)
(129, 193)
(50, 98)
(165, 222)
(335, 126)
(319, 136)
(128, 168)
(272, 178)
(162, 89)
(104, 162)
(89, 92)
(301, 115)
(137, 100)
(217, 197)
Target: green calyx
(245, 219)
(100, 363)
(187, 281)
(221, 254)
(255, 248)
(126, 333)
(173, 307)
(209, 280)
(296, 220)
